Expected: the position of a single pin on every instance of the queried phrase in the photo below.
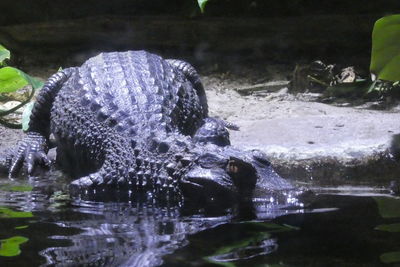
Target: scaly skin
(134, 120)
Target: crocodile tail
(40, 115)
(192, 75)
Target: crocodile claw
(86, 183)
(31, 151)
(82, 183)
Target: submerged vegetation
(10, 246)
(257, 240)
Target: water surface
(40, 225)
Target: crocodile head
(227, 173)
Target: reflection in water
(125, 235)
(41, 226)
(136, 232)
(335, 230)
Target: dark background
(26, 11)
(231, 33)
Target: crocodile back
(115, 101)
(135, 91)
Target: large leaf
(35, 83)
(385, 56)
(12, 79)
(4, 54)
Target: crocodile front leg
(113, 172)
(32, 150)
(151, 166)
(118, 160)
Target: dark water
(41, 226)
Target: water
(41, 226)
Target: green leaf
(11, 79)
(390, 257)
(4, 54)
(36, 83)
(202, 4)
(10, 246)
(392, 228)
(385, 56)
(26, 115)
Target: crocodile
(133, 120)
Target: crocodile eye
(233, 167)
(238, 167)
(243, 174)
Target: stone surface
(313, 141)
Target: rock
(311, 141)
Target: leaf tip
(202, 5)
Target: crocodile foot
(31, 152)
